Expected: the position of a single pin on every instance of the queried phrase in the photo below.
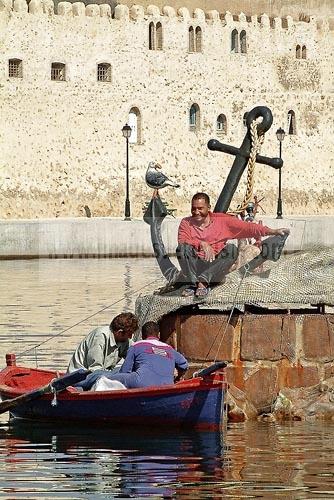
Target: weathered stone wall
(61, 142)
(266, 353)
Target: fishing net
(297, 279)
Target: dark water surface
(40, 299)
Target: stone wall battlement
(152, 12)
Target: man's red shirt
(222, 227)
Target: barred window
(104, 72)
(58, 72)
(15, 68)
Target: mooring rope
(83, 320)
(256, 143)
(228, 320)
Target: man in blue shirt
(149, 362)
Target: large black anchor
(156, 210)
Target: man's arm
(127, 366)
(95, 355)
(184, 234)
(181, 365)
(242, 229)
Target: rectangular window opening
(15, 68)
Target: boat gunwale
(196, 384)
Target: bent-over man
(203, 252)
(105, 346)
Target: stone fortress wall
(61, 142)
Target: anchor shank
(234, 176)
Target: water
(40, 299)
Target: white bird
(156, 179)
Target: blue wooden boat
(195, 403)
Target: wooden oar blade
(211, 369)
(58, 384)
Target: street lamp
(126, 131)
(280, 134)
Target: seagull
(157, 180)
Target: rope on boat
(82, 321)
(257, 141)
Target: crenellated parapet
(138, 13)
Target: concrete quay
(107, 236)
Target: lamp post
(280, 134)
(126, 131)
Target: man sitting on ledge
(202, 251)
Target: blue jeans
(92, 378)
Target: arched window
(304, 52)
(15, 68)
(191, 39)
(58, 72)
(198, 39)
(135, 123)
(243, 42)
(221, 125)
(159, 36)
(104, 72)
(155, 36)
(234, 41)
(298, 52)
(291, 122)
(194, 117)
(151, 36)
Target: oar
(55, 385)
(210, 369)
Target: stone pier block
(267, 337)
(318, 338)
(259, 383)
(261, 387)
(210, 338)
(329, 370)
(298, 376)
(204, 337)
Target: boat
(41, 395)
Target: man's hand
(209, 254)
(180, 374)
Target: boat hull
(196, 403)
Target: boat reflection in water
(114, 462)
